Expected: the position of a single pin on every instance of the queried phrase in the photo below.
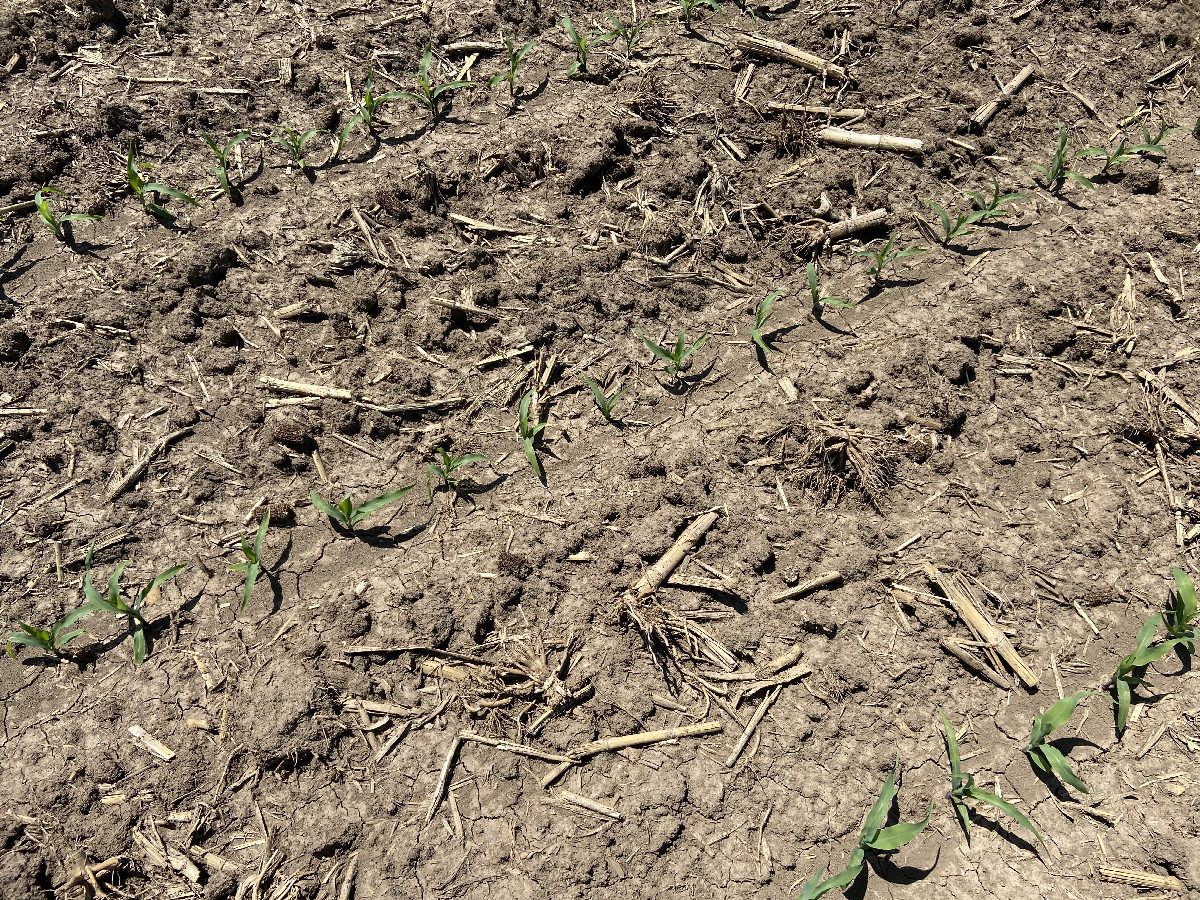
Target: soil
(981, 408)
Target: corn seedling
(294, 142)
(253, 562)
(604, 402)
(582, 44)
(1046, 756)
(676, 356)
(993, 207)
(1125, 678)
(1179, 620)
(112, 601)
(961, 226)
(349, 514)
(515, 58)
(873, 837)
(528, 432)
(962, 789)
(448, 466)
(631, 34)
(370, 105)
(427, 93)
(56, 225)
(887, 257)
(765, 308)
(147, 192)
(819, 300)
(221, 169)
(53, 639)
(1059, 168)
(689, 7)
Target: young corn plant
(1180, 619)
(1059, 169)
(147, 191)
(819, 300)
(53, 640)
(765, 308)
(873, 837)
(962, 789)
(582, 44)
(605, 403)
(887, 256)
(111, 600)
(1047, 757)
(369, 107)
(677, 355)
(1126, 677)
(961, 226)
(349, 514)
(528, 432)
(515, 58)
(294, 142)
(427, 93)
(253, 561)
(993, 207)
(221, 169)
(631, 34)
(446, 468)
(689, 7)
(60, 227)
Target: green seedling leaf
(529, 431)
(1059, 169)
(361, 512)
(334, 512)
(45, 213)
(604, 402)
(896, 836)
(765, 308)
(887, 257)
(253, 559)
(448, 465)
(962, 788)
(689, 7)
(1005, 807)
(814, 887)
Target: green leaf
(531, 455)
(879, 810)
(139, 642)
(72, 617)
(1060, 766)
(329, 509)
(468, 459)
(964, 815)
(943, 216)
(1123, 698)
(362, 511)
(570, 27)
(601, 400)
(658, 350)
(1186, 608)
(161, 579)
(496, 79)
(1060, 712)
(1005, 807)
(1076, 177)
(814, 887)
(248, 588)
(896, 836)
(951, 745)
(451, 86)
(171, 192)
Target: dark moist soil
(981, 408)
